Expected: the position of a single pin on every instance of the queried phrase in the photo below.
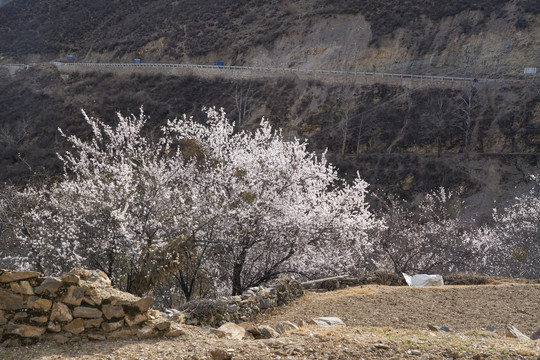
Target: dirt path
(382, 323)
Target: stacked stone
(243, 307)
(78, 305)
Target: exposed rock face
(78, 305)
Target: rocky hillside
(478, 38)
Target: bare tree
(466, 117)
(345, 107)
(13, 134)
(429, 236)
(344, 125)
(243, 97)
(361, 129)
(410, 104)
(439, 117)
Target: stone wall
(78, 305)
(243, 307)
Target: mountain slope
(484, 136)
(461, 37)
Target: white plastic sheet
(424, 280)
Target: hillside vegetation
(401, 140)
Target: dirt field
(381, 323)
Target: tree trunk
(237, 273)
(237, 279)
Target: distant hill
(312, 33)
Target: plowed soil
(381, 323)
(461, 308)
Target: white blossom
(247, 205)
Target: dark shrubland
(192, 28)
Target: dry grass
(466, 279)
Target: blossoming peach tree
(514, 241)
(245, 205)
(429, 236)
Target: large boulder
(267, 332)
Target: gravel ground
(382, 323)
